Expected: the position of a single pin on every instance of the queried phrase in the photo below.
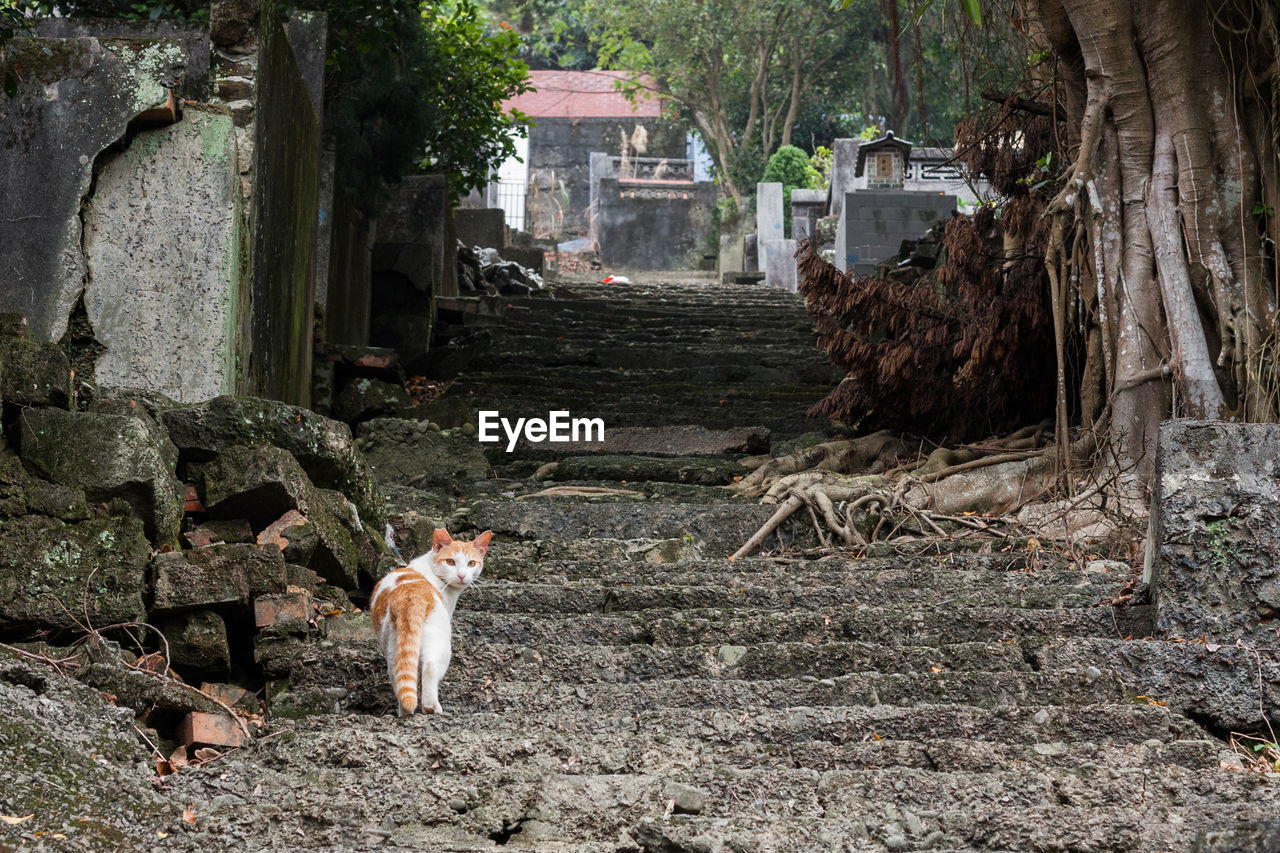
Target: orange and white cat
(412, 610)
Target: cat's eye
(471, 563)
(449, 561)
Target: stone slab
(778, 258)
(164, 244)
(769, 219)
(1216, 567)
(873, 224)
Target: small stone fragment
(687, 799)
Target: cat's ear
(482, 542)
(440, 538)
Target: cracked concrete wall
(75, 99)
(164, 242)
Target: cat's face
(458, 563)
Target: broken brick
(281, 609)
(202, 729)
(191, 500)
(294, 535)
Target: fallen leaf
(161, 834)
(207, 753)
(737, 478)
(935, 669)
(14, 821)
(1033, 544)
(179, 758)
(188, 814)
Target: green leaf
(972, 10)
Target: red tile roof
(581, 94)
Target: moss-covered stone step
(589, 598)
(901, 626)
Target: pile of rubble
(155, 545)
(483, 270)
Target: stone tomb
(873, 224)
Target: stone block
(75, 98)
(22, 493)
(263, 483)
(322, 446)
(54, 575)
(180, 334)
(215, 575)
(290, 610)
(1216, 511)
(200, 728)
(109, 456)
(283, 221)
(34, 373)
(779, 262)
(769, 218)
(198, 640)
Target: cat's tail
(408, 649)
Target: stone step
(587, 558)
(543, 562)
(894, 626)
(978, 689)
(1109, 829)
(637, 662)
(477, 748)
(700, 470)
(743, 595)
(719, 529)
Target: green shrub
(790, 167)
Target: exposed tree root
(947, 494)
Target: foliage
(790, 167)
(470, 135)
(552, 33)
(417, 86)
(955, 356)
(822, 162)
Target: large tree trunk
(1156, 231)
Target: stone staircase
(618, 685)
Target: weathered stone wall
(72, 103)
(1216, 567)
(195, 81)
(165, 291)
(282, 220)
(560, 150)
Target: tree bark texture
(1164, 230)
